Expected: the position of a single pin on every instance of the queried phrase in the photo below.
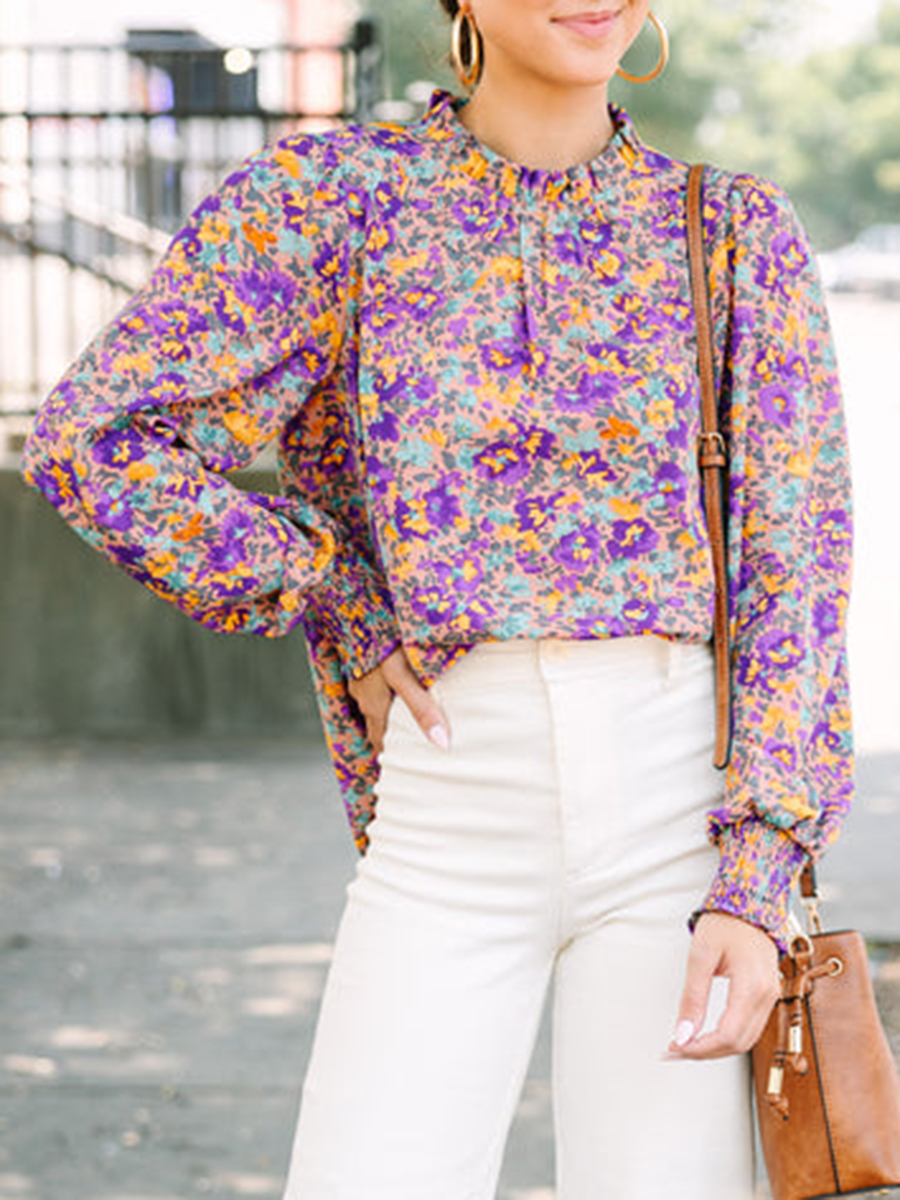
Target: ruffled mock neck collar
(442, 122)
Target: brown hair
(450, 7)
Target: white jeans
(561, 837)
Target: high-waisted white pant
(563, 837)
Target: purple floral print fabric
(482, 381)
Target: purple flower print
(568, 248)
(190, 243)
(261, 289)
(57, 482)
(826, 620)
(756, 200)
(312, 360)
(826, 741)
(578, 549)
(442, 505)
(668, 209)
(228, 314)
(387, 202)
(386, 428)
(394, 138)
(784, 259)
(182, 320)
(167, 388)
(671, 482)
(590, 464)
(778, 405)
(127, 555)
(510, 460)
(384, 314)
(479, 215)
(794, 368)
(380, 241)
(640, 613)
(422, 302)
(434, 604)
(294, 211)
(114, 512)
(593, 388)
(743, 325)
(534, 512)
(631, 539)
(504, 461)
(411, 519)
(833, 534)
(118, 447)
(594, 234)
(506, 355)
(764, 607)
(782, 752)
(230, 549)
(301, 145)
(213, 203)
(331, 264)
(790, 253)
(780, 651)
(673, 313)
(387, 389)
(379, 475)
(355, 202)
(185, 486)
(456, 598)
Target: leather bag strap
(713, 460)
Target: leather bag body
(827, 1092)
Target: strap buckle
(712, 449)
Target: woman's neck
(542, 127)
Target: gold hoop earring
(663, 54)
(468, 72)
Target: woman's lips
(594, 25)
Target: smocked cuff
(355, 610)
(758, 867)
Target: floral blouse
(482, 378)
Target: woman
(475, 340)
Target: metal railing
(105, 150)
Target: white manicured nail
(438, 735)
(684, 1033)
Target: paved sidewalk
(165, 928)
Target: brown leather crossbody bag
(826, 1087)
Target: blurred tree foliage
(828, 129)
(826, 126)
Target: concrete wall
(86, 650)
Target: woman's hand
(374, 694)
(726, 945)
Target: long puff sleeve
(242, 318)
(791, 776)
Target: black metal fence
(104, 150)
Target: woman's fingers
(702, 963)
(748, 958)
(738, 1029)
(419, 700)
(374, 693)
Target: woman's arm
(790, 779)
(243, 317)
